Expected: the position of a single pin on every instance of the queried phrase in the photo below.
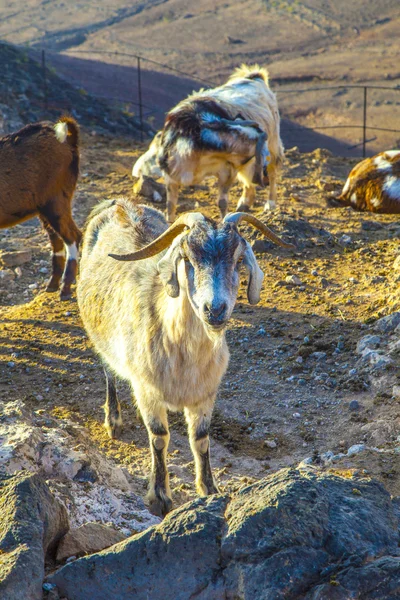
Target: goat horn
(238, 217)
(163, 240)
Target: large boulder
(32, 522)
(293, 535)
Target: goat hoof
(269, 205)
(65, 295)
(114, 430)
(160, 505)
(242, 207)
(207, 488)
(52, 287)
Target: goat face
(205, 263)
(203, 258)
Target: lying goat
(374, 184)
(220, 132)
(39, 166)
(159, 322)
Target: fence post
(140, 97)
(46, 105)
(365, 123)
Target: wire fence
(149, 112)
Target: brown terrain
(280, 402)
(297, 387)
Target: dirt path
(293, 369)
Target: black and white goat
(227, 132)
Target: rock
(91, 485)
(31, 523)
(87, 539)
(319, 355)
(375, 360)
(388, 324)
(293, 279)
(231, 40)
(15, 259)
(6, 275)
(277, 538)
(368, 341)
(354, 405)
(345, 240)
(396, 391)
(150, 189)
(380, 431)
(270, 444)
(356, 449)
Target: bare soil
(277, 392)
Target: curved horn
(163, 240)
(238, 217)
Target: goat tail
(67, 130)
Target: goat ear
(167, 269)
(255, 275)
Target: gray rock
(354, 405)
(388, 324)
(276, 539)
(356, 449)
(15, 259)
(378, 579)
(345, 240)
(375, 360)
(31, 523)
(294, 280)
(6, 275)
(87, 539)
(368, 341)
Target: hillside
(26, 96)
(303, 44)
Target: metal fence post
(140, 98)
(365, 123)
(46, 105)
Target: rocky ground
(314, 375)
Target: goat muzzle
(238, 217)
(164, 240)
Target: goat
(374, 184)
(39, 167)
(159, 322)
(220, 132)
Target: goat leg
(112, 407)
(199, 427)
(159, 494)
(58, 256)
(258, 177)
(63, 224)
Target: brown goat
(39, 167)
(374, 184)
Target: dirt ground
(292, 374)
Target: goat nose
(215, 311)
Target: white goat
(159, 323)
(220, 132)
